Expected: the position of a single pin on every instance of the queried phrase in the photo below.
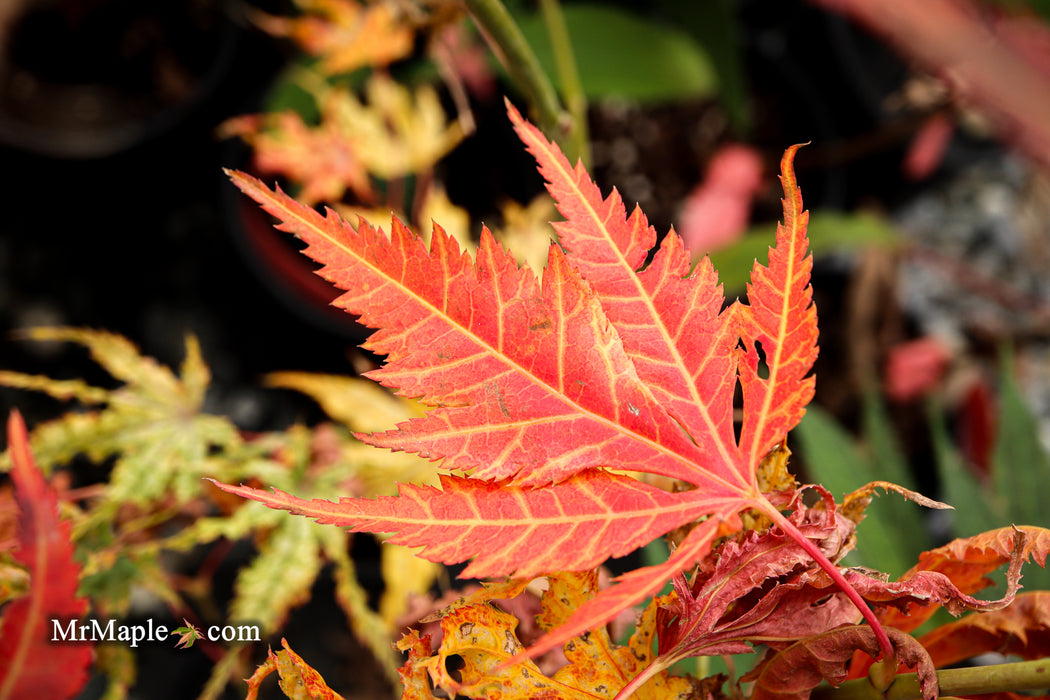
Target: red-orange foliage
(30, 658)
(538, 389)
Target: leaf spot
(496, 392)
(510, 645)
(541, 325)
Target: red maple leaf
(762, 588)
(539, 388)
(34, 666)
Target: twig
(569, 77)
(503, 33)
(1021, 675)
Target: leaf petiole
(813, 550)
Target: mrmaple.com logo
(133, 635)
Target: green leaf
(1019, 459)
(279, 578)
(892, 533)
(974, 503)
(152, 424)
(117, 663)
(623, 54)
(715, 26)
(367, 625)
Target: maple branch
(569, 77)
(521, 62)
(981, 680)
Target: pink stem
(818, 556)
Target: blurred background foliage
(926, 177)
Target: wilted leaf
(792, 673)
(415, 680)
(892, 533)
(1022, 629)
(766, 589)
(966, 563)
(483, 638)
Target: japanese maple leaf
(540, 389)
(30, 657)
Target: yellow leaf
(526, 231)
(369, 628)
(364, 407)
(344, 34)
(397, 133)
(360, 405)
(405, 574)
(280, 577)
(483, 638)
(436, 207)
(455, 220)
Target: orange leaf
(322, 159)
(781, 320)
(517, 531)
(1023, 629)
(966, 562)
(538, 388)
(520, 372)
(30, 657)
(669, 321)
(345, 34)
